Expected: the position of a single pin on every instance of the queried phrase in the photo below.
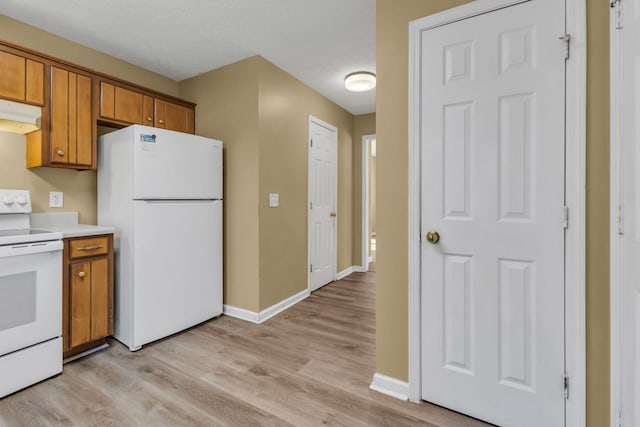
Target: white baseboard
(266, 314)
(241, 313)
(344, 273)
(282, 305)
(390, 386)
(353, 269)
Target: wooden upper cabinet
(72, 136)
(21, 79)
(147, 110)
(174, 117)
(120, 105)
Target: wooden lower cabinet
(87, 293)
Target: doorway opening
(368, 202)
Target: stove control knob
(7, 201)
(22, 201)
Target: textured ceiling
(318, 42)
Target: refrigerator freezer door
(178, 266)
(174, 165)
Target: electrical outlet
(56, 199)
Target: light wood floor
(311, 365)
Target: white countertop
(67, 223)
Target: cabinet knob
(149, 119)
(161, 121)
(60, 153)
(81, 274)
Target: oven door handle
(30, 248)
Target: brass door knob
(433, 237)
(333, 214)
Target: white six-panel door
(323, 159)
(492, 120)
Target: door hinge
(565, 216)
(311, 143)
(310, 268)
(619, 421)
(620, 219)
(617, 5)
(566, 386)
(567, 42)
(310, 205)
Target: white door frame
(366, 143)
(616, 199)
(575, 177)
(334, 250)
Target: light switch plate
(274, 200)
(56, 199)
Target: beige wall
(285, 106)
(227, 109)
(79, 188)
(261, 113)
(364, 124)
(392, 277)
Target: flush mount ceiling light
(360, 81)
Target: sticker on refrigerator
(148, 142)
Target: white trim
(366, 141)
(616, 198)
(241, 313)
(334, 257)
(575, 339)
(266, 314)
(576, 179)
(415, 234)
(353, 269)
(347, 271)
(390, 386)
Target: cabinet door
(80, 304)
(174, 116)
(123, 105)
(159, 111)
(71, 123)
(128, 106)
(99, 298)
(178, 118)
(21, 79)
(147, 110)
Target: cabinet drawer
(89, 247)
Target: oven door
(30, 294)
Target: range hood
(19, 118)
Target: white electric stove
(30, 297)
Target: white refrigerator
(162, 191)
